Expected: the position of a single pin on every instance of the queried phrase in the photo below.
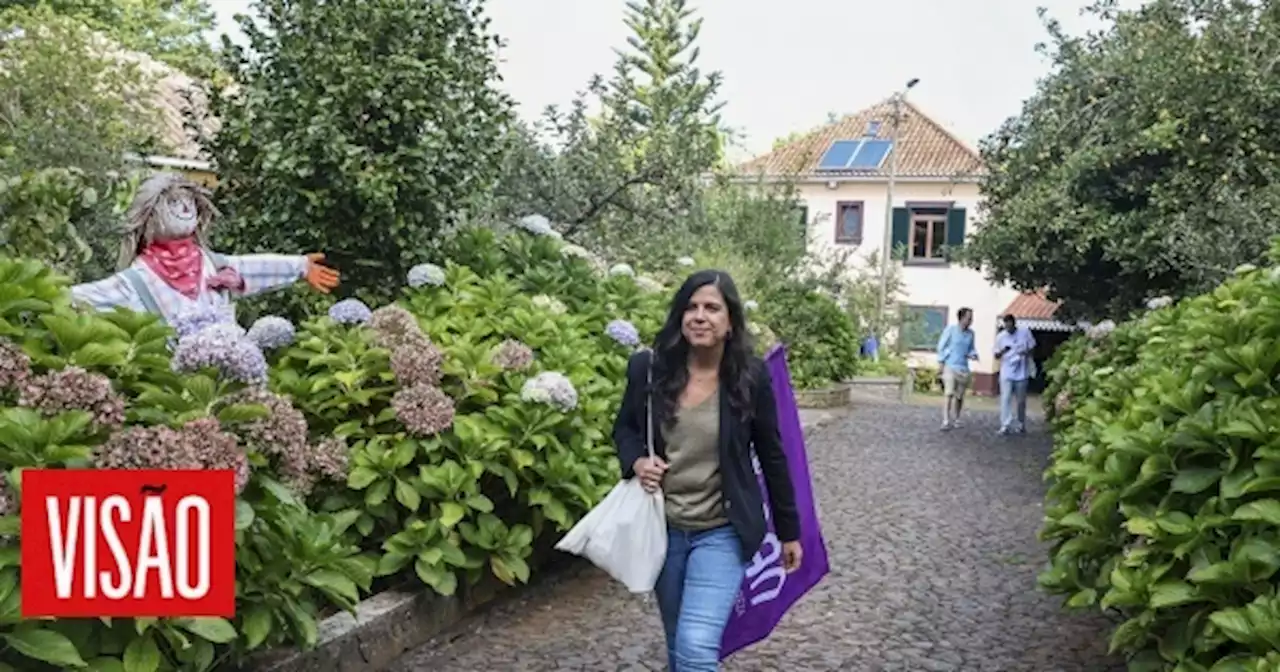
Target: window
(928, 233)
(922, 327)
(849, 222)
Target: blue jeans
(696, 590)
(1013, 399)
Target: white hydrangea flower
(578, 251)
(750, 304)
(1245, 268)
(686, 261)
(648, 284)
(426, 274)
(550, 304)
(551, 388)
(1159, 302)
(1101, 329)
(537, 225)
(623, 269)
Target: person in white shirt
(1014, 346)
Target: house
(842, 172)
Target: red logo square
(128, 543)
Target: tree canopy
(172, 31)
(1145, 164)
(358, 129)
(68, 114)
(627, 157)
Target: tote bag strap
(648, 406)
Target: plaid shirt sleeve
(108, 293)
(266, 272)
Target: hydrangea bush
(122, 390)
(1163, 504)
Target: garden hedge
(434, 438)
(1164, 503)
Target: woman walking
(713, 405)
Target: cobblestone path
(933, 555)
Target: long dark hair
(671, 351)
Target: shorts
(955, 383)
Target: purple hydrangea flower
(272, 332)
(551, 388)
(350, 311)
(623, 332)
(426, 274)
(195, 320)
(225, 348)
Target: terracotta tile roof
(1032, 306)
(926, 149)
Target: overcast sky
(787, 64)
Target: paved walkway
(933, 554)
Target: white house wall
(948, 286)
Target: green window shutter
(901, 231)
(955, 227)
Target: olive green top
(692, 483)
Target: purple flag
(768, 591)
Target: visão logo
(128, 543)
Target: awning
(1036, 312)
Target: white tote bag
(626, 534)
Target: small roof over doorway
(1036, 312)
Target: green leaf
(1172, 594)
(244, 515)
(213, 629)
(100, 664)
(334, 584)
(238, 413)
(45, 645)
(1192, 481)
(1263, 510)
(443, 581)
(451, 513)
(407, 495)
(256, 626)
(142, 654)
(361, 477)
(1234, 624)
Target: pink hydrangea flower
(512, 355)
(417, 364)
(423, 409)
(15, 365)
(74, 389)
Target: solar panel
(870, 155)
(838, 155)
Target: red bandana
(180, 263)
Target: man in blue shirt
(1014, 347)
(955, 351)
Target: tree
(172, 31)
(357, 129)
(627, 179)
(68, 113)
(1146, 162)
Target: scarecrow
(167, 268)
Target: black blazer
(743, 501)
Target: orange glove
(319, 276)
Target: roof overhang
(158, 161)
(1044, 325)
(819, 178)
